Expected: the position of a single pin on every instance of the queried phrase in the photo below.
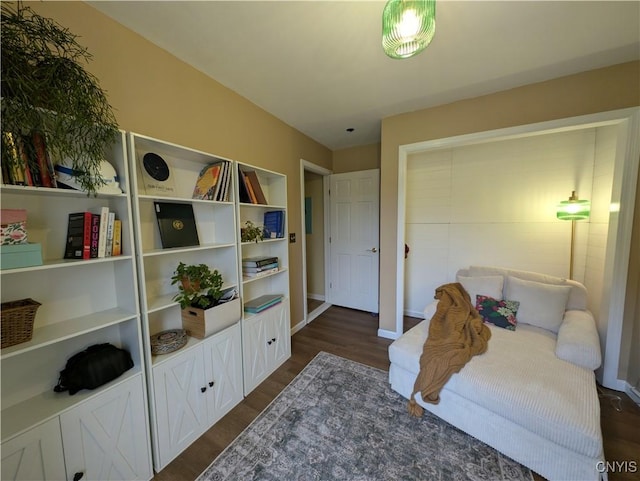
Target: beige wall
(353, 159)
(313, 188)
(155, 94)
(599, 90)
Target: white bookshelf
(83, 302)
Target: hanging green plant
(45, 88)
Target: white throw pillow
(490, 286)
(541, 305)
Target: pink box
(13, 226)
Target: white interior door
(354, 239)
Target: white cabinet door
(107, 437)
(34, 455)
(278, 337)
(223, 372)
(255, 352)
(179, 387)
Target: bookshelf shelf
(65, 263)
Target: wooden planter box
(201, 323)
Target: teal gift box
(20, 255)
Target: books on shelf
(85, 235)
(213, 182)
(177, 224)
(261, 303)
(259, 261)
(26, 161)
(250, 189)
(273, 224)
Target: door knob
(373, 249)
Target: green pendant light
(408, 27)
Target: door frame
(325, 173)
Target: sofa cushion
(578, 340)
(500, 313)
(541, 305)
(490, 286)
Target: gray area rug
(340, 420)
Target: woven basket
(16, 321)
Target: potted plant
(47, 91)
(251, 232)
(198, 285)
(206, 307)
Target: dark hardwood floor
(353, 335)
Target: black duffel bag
(93, 367)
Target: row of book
(259, 266)
(25, 160)
(273, 224)
(214, 182)
(250, 190)
(93, 235)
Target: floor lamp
(573, 210)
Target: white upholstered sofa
(532, 395)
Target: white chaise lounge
(532, 395)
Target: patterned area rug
(340, 420)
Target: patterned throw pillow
(499, 313)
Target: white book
(109, 245)
(104, 221)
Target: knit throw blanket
(456, 334)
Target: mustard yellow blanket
(456, 334)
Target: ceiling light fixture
(408, 26)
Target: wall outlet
(292, 237)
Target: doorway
(314, 190)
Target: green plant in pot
(198, 285)
(251, 232)
(47, 90)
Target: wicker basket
(16, 321)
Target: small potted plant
(251, 232)
(206, 307)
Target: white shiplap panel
(429, 187)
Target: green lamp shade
(573, 210)
(407, 27)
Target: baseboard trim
(297, 327)
(388, 334)
(633, 393)
(317, 311)
(316, 297)
(418, 314)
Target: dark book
(260, 261)
(45, 165)
(257, 188)
(177, 224)
(95, 235)
(243, 191)
(78, 236)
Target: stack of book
(259, 266)
(26, 161)
(261, 303)
(93, 235)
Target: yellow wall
(155, 94)
(598, 90)
(352, 159)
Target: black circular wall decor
(155, 166)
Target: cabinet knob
(269, 342)
(211, 383)
(78, 476)
(203, 389)
(273, 339)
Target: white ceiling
(319, 65)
